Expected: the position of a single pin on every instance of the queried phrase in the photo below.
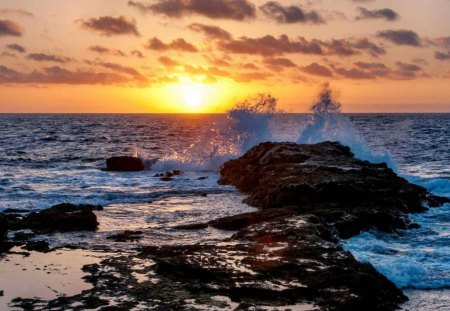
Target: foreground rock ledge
(288, 252)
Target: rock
(124, 164)
(15, 211)
(289, 252)
(63, 218)
(191, 226)
(37, 246)
(126, 236)
(3, 227)
(327, 180)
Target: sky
(166, 56)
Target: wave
(327, 123)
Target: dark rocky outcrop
(288, 252)
(124, 164)
(328, 181)
(62, 218)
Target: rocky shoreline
(310, 197)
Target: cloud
(407, 71)
(401, 37)
(215, 9)
(279, 63)
(41, 57)
(442, 55)
(375, 69)
(318, 70)
(270, 46)
(58, 75)
(250, 66)
(177, 44)
(252, 76)
(102, 50)
(136, 75)
(354, 73)
(290, 14)
(387, 14)
(16, 47)
(168, 62)
(210, 31)
(373, 48)
(137, 54)
(110, 26)
(16, 12)
(9, 28)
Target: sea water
(49, 159)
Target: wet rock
(15, 211)
(63, 218)
(166, 178)
(37, 246)
(3, 227)
(23, 236)
(192, 226)
(126, 236)
(327, 180)
(124, 164)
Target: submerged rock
(63, 218)
(124, 164)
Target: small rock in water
(124, 164)
(38, 246)
(166, 178)
(63, 218)
(126, 236)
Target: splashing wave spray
(246, 125)
(327, 123)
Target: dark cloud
(58, 75)
(9, 28)
(372, 48)
(387, 14)
(137, 54)
(407, 71)
(211, 31)
(442, 55)
(216, 9)
(408, 67)
(16, 12)
(375, 69)
(41, 57)
(318, 70)
(270, 46)
(279, 63)
(290, 14)
(110, 26)
(106, 51)
(177, 44)
(401, 37)
(16, 47)
(354, 73)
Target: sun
(193, 96)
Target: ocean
(46, 159)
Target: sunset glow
(145, 56)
